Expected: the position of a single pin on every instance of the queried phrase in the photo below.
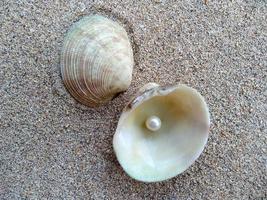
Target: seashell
(161, 132)
(96, 60)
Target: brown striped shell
(96, 60)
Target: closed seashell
(96, 60)
(161, 132)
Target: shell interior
(159, 155)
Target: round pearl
(153, 123)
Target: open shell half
(161, 132)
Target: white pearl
(153, 123)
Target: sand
(55, 148)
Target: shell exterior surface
(96, 60)
(152, 156)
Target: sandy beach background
(55, 148)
